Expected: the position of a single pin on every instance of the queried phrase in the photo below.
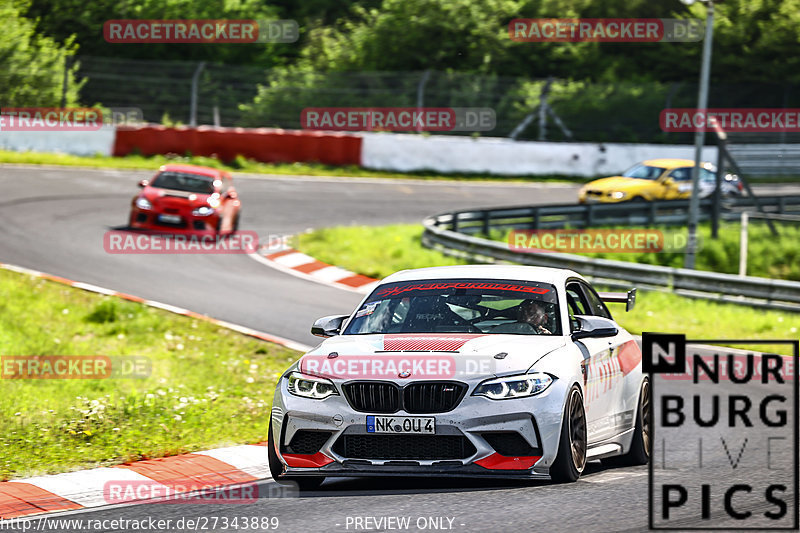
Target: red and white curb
(304, 266)
(181, 474)
(159, 305)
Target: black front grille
(416, 398)
(433, 397)
(404, 447)
(181, 224)
(373, 396)
(510, 444)
(307, 442)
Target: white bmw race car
(504, 371)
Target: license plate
(170, 219)
(401, 424)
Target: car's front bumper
(151, 219)
(537, 420)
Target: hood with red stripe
(494, 354)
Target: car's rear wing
(628, 298)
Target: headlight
(202, 211)
(514, 386)
(143, 203)
(617, 195)
(311, 387)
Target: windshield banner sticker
(434, 286)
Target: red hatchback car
(188, 198)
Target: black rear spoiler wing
(628, 298)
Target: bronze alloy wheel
(577, 430)
(645, 409)
(639, 451)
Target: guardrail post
(781, 204)
(589, 215)
(486, 222)
(454, 223)
(535, 218)
(652, 220)
(743, 245)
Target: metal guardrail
(664, 213)
(766, 160)
(450, 233)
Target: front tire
(276, 469)
(571, 458)
(639, 454)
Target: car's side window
(681, 174)
(707, 175)
(575, 303)
(596, 305)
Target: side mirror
(669, 182)
(593, 326)
(328, 326)
(144, 183)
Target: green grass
(393, 248)
(240, 164)
(767, 256)
(374, 251)
(209, 386)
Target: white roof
(555, 276)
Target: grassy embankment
(209, 386)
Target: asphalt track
(54, 220)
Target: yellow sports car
(657, 179)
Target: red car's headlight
(203, 211)
(143, 203)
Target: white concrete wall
(506, 157)
(66, 142)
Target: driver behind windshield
(533, 313)
(531, 318)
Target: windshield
(180, 181)
(459, 306)
(643, 172)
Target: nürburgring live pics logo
(724, 433)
